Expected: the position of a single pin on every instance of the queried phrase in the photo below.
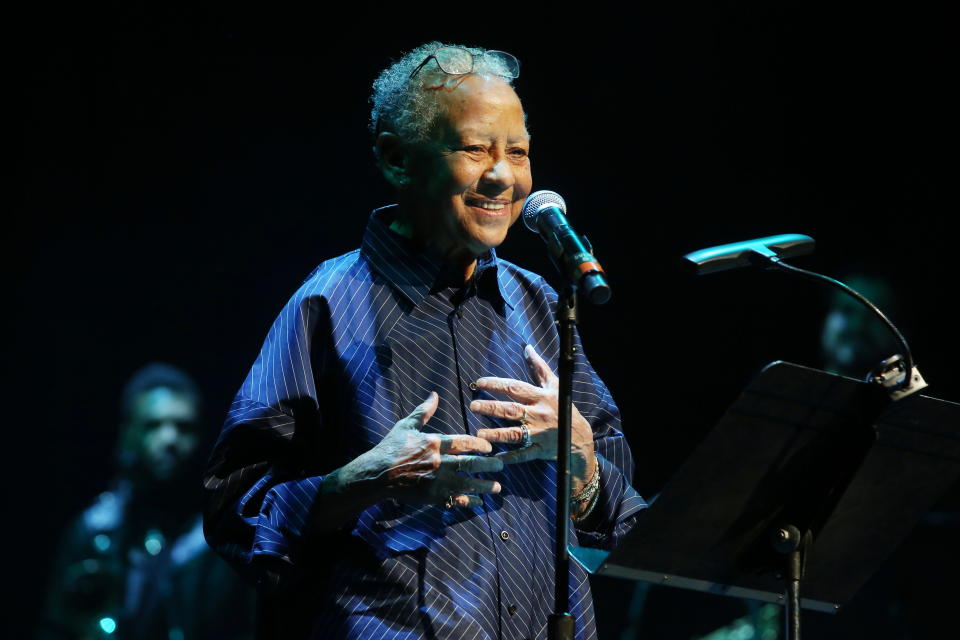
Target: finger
(466, 484)
(498, 409)
(464, 444)
(464, 500)
(516, 389)
(424, 411)
(471, 464)
(538, 366)
(467, 501)
(525, 454)
(510, 435)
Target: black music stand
(830, 456)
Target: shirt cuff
(283, 517)
(616, 509)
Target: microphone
(544, 213)
(746, 253)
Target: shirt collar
(413, 272)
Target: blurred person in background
(134, 564)
(853, 340)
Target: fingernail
(496, 487)
(473, 405)
(528, 351)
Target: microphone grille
(537, 201)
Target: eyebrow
(466, 133)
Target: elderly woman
(361, 518)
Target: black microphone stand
(572, 255)
(560, 623)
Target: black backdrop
(183, 169)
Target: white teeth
(492, 206)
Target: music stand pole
(788, 541)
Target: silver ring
(449, 503)
(527, 439)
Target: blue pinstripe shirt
(360, 344)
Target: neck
(460, 264)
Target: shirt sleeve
(260, 486)
(619, 503)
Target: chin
(490, 236)
(482, 246)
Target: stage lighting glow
(109, 625)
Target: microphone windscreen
(537, 201)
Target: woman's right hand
(425, 468)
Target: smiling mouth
(488, 205)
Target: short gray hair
(399, 103)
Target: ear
(393, 158)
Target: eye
(517, 153)
(474, 148)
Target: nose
(167, 434)
(499, 173)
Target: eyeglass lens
(456, 61)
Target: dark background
(183, 169)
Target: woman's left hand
(536, 408)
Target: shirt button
(504, 535)
(512, 609)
